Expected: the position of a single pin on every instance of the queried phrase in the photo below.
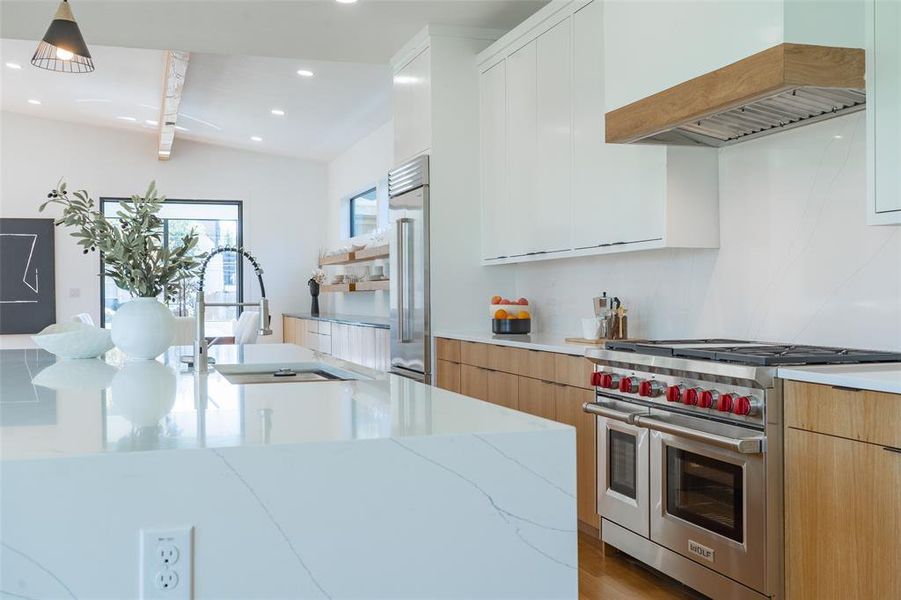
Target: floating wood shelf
(348, 258)
(372, 286)
(337, 287)
(360, 286)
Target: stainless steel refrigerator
(408, 211)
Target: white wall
(797, 261)
(282, 198)
(361, 167)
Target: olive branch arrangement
(131, 243)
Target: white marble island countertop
(383, 488)
(56, 408)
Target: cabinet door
(842, 518)
(448, 377)
(412, 108)
(885, 82)
(522, 151)
(367, 335)
(287, 329)
(503, 389)
(537, 397)
(618, 190)
(493, 168)
(474, 382)
(541, 365)
(568, 409)
(382, 349)
(551, 210)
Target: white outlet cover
(167, 564)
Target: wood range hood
(785, 86)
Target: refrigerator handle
(404, 274)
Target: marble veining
(275, 524)
(7, 549)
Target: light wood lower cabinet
(474, 382)
(545, 384)
(569, 401)
(448, 376)
(843, 518)
(503, 389)
(367, 346)
(842, 493)
(538, 397)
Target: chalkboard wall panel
(27, 276)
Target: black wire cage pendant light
(63, 49)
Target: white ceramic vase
(143, 328)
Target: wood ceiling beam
(173, 84)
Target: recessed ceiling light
(304, 73)
(15, 66)
(278, 112)
(256, 138)
(345, 1)
(33, 101)
(405, 79)
(151, 122)
(126, 118)
(838, 137)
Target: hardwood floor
(620, 577)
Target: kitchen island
(379, 487)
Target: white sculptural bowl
(74, 340)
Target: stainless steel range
(690, 457)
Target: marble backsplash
(796, 262)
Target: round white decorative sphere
(143, 328)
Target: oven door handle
(597, 408)
(750, 445)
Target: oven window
(706, 492)
(621, 462)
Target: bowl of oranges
(510, 316)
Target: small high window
(364, 213)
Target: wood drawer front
(503, 389)
(538, 397)
(541, 365)
(474, 382)
(312, 325)
(568, 410)
(325, 328)
(446, 349)
(472, 353)
(448, 376)
(508, 360)
(873, 417)
(573, 370)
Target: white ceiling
(226, 99)
(369, 31)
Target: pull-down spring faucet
(201, 364)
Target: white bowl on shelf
(74, 340)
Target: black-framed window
(363, 213)
(219, 223)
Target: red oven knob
(690, 396)
(724, 404)
(610, 381)
(673, 393)
(628, 384)
(707, 398)
(650, 389)
(744, 406)
(596, 377)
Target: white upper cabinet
(552, 206)
(493, 172)
(551, 187)
(522, 151)
(412, 107)
(884, 112)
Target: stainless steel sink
(304, 372)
